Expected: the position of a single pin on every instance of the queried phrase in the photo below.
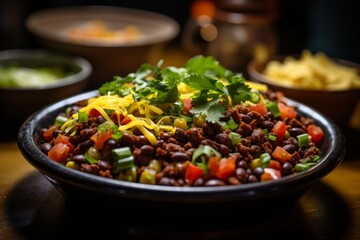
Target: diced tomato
(259, 107)
(61, 138)
(125, 120)
(279, 129)
(213, 165)
(59, 152)
(227, 167)
(100, 137)
(48, 134)
(187, 105)
(286, 111)
(275, 165)
(270, 174)
(114, 117)
(94, 113)
(193, 172)
(281, 154)
(315, 132)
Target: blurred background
(233, 31)
(318, 25)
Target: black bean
(233, 181)
(79, 158)
(199, 182)
(295, 131)
(252, 179)
(241, 174)
(180, 157)
(56, 133)
(287, 168)
(104, 165)
(214, 182)
(290, 148)
(86, 144)
(45, 147)
(258, 172)
(224, 138)
(166, 181)
(141, 140)
(111, 144)
(255, 151)
(180, 135)
(147, 150)
(159, 143)
(127, 139)
(242, 164)
(268, 125)
(100, 119)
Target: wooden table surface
(31, 208)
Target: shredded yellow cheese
(140, 113)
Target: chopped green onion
(232, 124)
(265, 160)
(105, 126)
(303, 140)
(316, 158)
(204, 150)
(265, 131)
(90, 159)
(69, 128)
(60, 120)
(117, 136)
(83, 117)
(235, 138)
(122, 152)
(224, 125)
(124, 164)
(273, 108)
(272, 137)
(303, 166)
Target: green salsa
(14, 76)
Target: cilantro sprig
(215, 88)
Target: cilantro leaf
(200, 83)
(206, 66)
(213, 109)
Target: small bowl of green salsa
(33, 78)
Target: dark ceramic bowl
(83, 187)
(338, 105)
(17, 103)
(108, 58)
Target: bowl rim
(43, 54)
(32, 24)
(254, 66)
(54, 171)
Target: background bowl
(339, 105)
(17, 103)
(81, 187)
(108, 58)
